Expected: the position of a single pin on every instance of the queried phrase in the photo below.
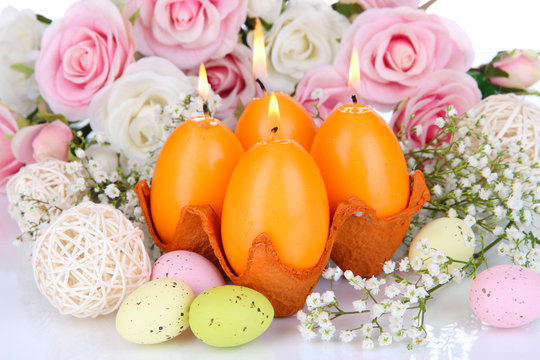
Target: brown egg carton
(198, 230)
(197, 224)
(363, 242)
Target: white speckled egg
(448, 235)
(506, 296)
(155, 312)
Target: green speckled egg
(230, 315)
(155, 312)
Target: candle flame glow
(259, 53)
(204, 88)
(354, 71)
(273, 113)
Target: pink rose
(429, 102)
(324, 87)
(9, 165)
(81, 53)
(398, 48)
(369, 4)
(230, 77)
(187, 32)
(522, 66)
(38, 142)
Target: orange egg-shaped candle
(276, 189)
(193, 168)
(254, 124)
(359, 155)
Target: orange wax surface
(193, 168)
(276, 188)
(295, 122)
(359, 155)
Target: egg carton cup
(196, 226)
(198, 230)
(363, 242)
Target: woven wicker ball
(89, 259)
(511, 118)
(46, 181)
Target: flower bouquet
(89, 101)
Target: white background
(31, 328)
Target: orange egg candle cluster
(193, 168)
(276, 189)
(254, 124)
(359, 155)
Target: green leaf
(134, 17)
(43, 19)
(27, 71)
(348, 10)
(8, 136)
(22, 122)
(486, 88)
(492, 72)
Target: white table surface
(30, 328)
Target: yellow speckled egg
(155, 312)
(450, 235)
(230, 315)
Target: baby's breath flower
(389, 266)
(416, 263)
(433, 269)
(359, 305)
(376, 310)
(437, 190)
(469, 220)
(385, 339)
(397, 309)
(427, 280)
(438, 257)
(307, 332)
(328, 298)
(332, 273)
(443, 278)
(367, 329)
(346, 335)
(367, 344)
(391, 291)
(423, 245)
(440, 122)
(80, 153)
(112, 191)
(451, 213)
(404, 264)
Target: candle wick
(354, 100)
(205, 110)
(261, 84)
(273, 132)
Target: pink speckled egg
(506, 296)
(193, 269)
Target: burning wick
(354, 100)
(261, 84)
(273, 132)
(205, 109)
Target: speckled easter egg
(230, 315)
(155, 312)
(506, 296)
(448, 235)
(193, 269)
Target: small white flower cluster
(490, 186)
(33, 216)
(172, 115)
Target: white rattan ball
(89, 259)
(46, 182)
(511, 118)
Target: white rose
(20, 37)
(125, 112)
(306, 34)
(268, 10)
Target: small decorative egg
(506, 296)
(450, 235)
(230, 315)
(191, 268)
(155, 312)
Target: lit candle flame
(273, 114)
(259, 53)
(354, 72)
(204, 88)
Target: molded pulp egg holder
(361, 243)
